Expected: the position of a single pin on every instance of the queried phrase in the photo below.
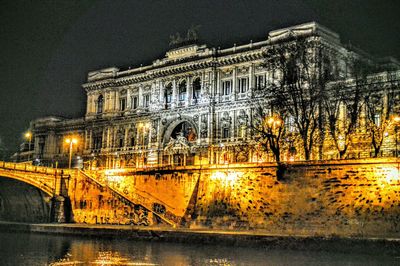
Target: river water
(36, 249)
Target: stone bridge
(79, 196)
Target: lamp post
(70, 141)
(274, 124)
(28, 136)
(396, 119)
(144, 127)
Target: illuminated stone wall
(93, 203)
(354, 197)
(342, 197)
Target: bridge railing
(30, 168)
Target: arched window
(182, 91)
(100, 101)
(168, 93)
(196, 88)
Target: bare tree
(343, 103)
(267, 126)
(380, 106)
(301, 70)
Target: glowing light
(73, 140)
(114, 171)
(230, 177)
(393, 175)
(114, 175)
(28, 135)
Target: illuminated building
(194, 106)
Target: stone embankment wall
(336, 197)
(353, 197)
(93, 203)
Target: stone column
(128, 99)
(126, 138)
(233, 125)
(85, 140)
(174, 93)
(251, 77)
(189, 89)
(162, 92)
(116, 101)
(234, 84)
(90, 139)
(140, 100)
(88, 104)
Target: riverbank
(390, 246)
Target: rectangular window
(243, 84)
(122, 104)
(134, 102)
(146, 100)
(132, 141)
(260, 81)
(226, 87)
(225, 133)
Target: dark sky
(47, 47)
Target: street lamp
(396, 120)
(274, 122)
(70, 141)
(28, 136)
(144, 127)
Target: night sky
(47, 47)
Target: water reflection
(33, 249)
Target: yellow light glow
(114, 171)
(396, 118)
(229, 177)
(393, 175)
(74, 140)
(28, 135)
(114, 175)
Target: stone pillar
(85, 140)
(106, 101)
(174, 93)
(233, 124)
(162, 92)
(116, 100)
(217, 86)
(140, 100)
(88, 104)
(90, 139)
(108, 138)
(251, 77)
(126, 138)
(234, 84)
(58, 209)
(189, 94)
(128, 99)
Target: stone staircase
(135, 197)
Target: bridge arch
(23, 202)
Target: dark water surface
(36, 249)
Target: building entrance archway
(178, 140)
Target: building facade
(194, 106)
